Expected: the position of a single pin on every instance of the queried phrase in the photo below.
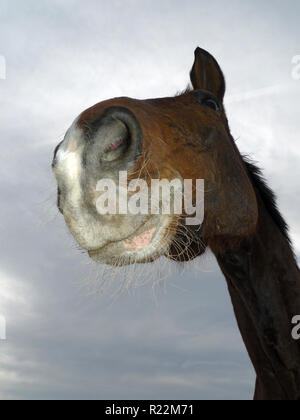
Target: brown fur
(183, 136)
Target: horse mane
(268, 197)
(188, 89)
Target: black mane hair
(188, 89)
(267, 196)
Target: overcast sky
(178, 339)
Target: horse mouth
(140, 241)
(146, 244)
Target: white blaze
(68, 164)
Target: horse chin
(187, 244)
(185, 254)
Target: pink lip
(140, 241)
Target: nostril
(114, 140)
(116, 137)
(116, 145)
(59, 200)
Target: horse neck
(264, 284)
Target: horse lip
(140, 241)
(130, 238)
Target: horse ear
(207, 74)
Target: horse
(187, 137)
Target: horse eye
(211, 103)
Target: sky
(170, 334)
